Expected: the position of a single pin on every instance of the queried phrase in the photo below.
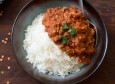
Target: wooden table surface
(12, 73)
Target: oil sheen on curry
(71, 32)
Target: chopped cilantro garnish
(72, 31)
(65, 26)
(64, 39)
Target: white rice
(44, 54)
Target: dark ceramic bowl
(25, 18)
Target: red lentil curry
(71, 32)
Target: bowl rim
(101, 60)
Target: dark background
(16, 75)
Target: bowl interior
(25, 18)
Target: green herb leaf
(65, 26)
(64, 39)
(72, 31)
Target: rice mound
(44, 54)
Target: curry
(71, 32)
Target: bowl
(25, 18)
